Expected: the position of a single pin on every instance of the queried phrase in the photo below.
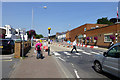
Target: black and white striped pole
(49, 41)
(116, 34)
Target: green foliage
(31, 33)
(38, 36)
(104, 21)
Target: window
(84, 29)
(107, 38)
(114, 52)
(91, 39)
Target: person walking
(38, 49)
(74, 46)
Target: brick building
(104, 35)
(80, 31)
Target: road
(8, 64)
(80, 65)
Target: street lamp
(49, 40)
(45, 7)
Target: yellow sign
(1, 46)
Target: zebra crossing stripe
(87, 53)
(77, 53)
(80, 50)
(56, 54)
(67, 53)
(94, 52)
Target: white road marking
(68, 56)
(56, 54)
(77, 53)
(5, 57)
(76, 73)
(87, 53)
(101, 52)
(94, 52)
(67, 53)
(61, 59)
(7, 60)
(80, 50)
(72, 65)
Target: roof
(101, 27)
(88, 24)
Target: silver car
(109, 61)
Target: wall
(100, 33)
(80, 30)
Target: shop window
(107, 38)
(91, 39)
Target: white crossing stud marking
(67, 53)
(87, 53)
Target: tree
(104, 21)
(38, 36)
(31, 33)
(114, 20)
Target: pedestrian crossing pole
(49, 41)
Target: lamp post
(45, 7)
(23, 32)
(49, 41)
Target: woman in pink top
(38, 49)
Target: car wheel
(97, 67)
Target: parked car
(109, 61)
(6, 46)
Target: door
(111, 63)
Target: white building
(61, 36)
(14, 33)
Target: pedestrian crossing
(81, 52)
(67, 53)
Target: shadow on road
(112, 77)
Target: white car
(109, 61)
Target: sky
(60, 16)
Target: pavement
(30, 67)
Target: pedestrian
(74, 46)
(38, 49)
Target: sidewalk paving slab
(30, 67)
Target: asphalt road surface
(80, 65)
(8, 64)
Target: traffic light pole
(48, 42)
